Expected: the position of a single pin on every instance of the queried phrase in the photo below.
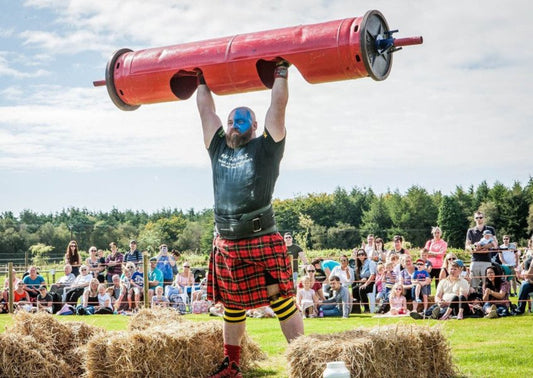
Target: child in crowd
(398, 303)
(306, 299)
(159, 300)
(422, 284)
(390, 278)
(486, 241)
(380, 281)
(137, 285)
(424, 254)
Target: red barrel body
(324, 52)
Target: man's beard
(235, 139)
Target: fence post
(145, 279)
(10, 278)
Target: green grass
(480, 347)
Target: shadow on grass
(261, 372)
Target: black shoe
(415, 315)
(227, 369)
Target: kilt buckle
(256, 224)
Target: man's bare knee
(273, 292)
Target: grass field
(480, 347)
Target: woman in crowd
(406, 278)
(436, 248)
(310, 272)
(96, 264)
(344, 272)
(113, 262)
(185, 279)
(495, 293)
(448, 259)
(365, 271)
(78, 286)
(72, 257)
(89, 300)
(379, 249)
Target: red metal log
(330, 51)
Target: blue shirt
(156, 275)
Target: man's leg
(290, 319)
(523, 296)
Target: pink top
(439, 247)
(398, 302)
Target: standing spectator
(436, 248)
(165, 264)
(398, 246)
(32, 282)
(113, 262)
(379, 248)
(133, 255)
(510, 257)
(339, 304)
(78, 286)
(64, 283)
(72, 257)
(44, 300)
(370, 247)
(96, 264)
(481, 257)
(296, 253)
(452, 293)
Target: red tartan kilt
(237, 271)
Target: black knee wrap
(232, 315)
(284, 308)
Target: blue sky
(454, 111)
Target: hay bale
(185, 349)
(66, 340)
(147, 318)
(23, 356)
(391, 351)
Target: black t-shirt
(294, 251)
(244, 178)
(474, 235)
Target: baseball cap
(420, 261)
(487, 232)
(153, 259)
(460, 263)
(133, 241)
(42, 287)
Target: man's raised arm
(206, 107)
(275, 117)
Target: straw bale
(23, 356)
(391, 351)
(147, 317)
(182, 349)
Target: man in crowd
(481, 254)
(249, 266)
(133, 255)
(339, 303)
(296, 252)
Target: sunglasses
(399, 289)
(422, 264)
(452, 258)
(361, 254)
(84, 270)
(186, 266)
(311, 271)
(479, 217)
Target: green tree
(40, 254)
(376, 220)
(453, 222)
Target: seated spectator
(365, 273)
(405, 279)
(155, 278)
(159, 300)
(339, 303)
(137, 286)
(344, 272)
(115, 287)
(185, 279)
(21, 298)
(380, 281)
(44, 300)
(310, 271)
(89, 300)
(306, 299)
(105, 305)
(422, 285)
(452, 293)
(526, 288)
(448, 259)
(397, 301)
(201, 295)
(389, 280)
(64, 283)
(495, 293)
(5, 292)
(320, 274)
(32, 282)
(78, 286)
(125, 300)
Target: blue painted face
(242, 120)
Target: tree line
(339, 220)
